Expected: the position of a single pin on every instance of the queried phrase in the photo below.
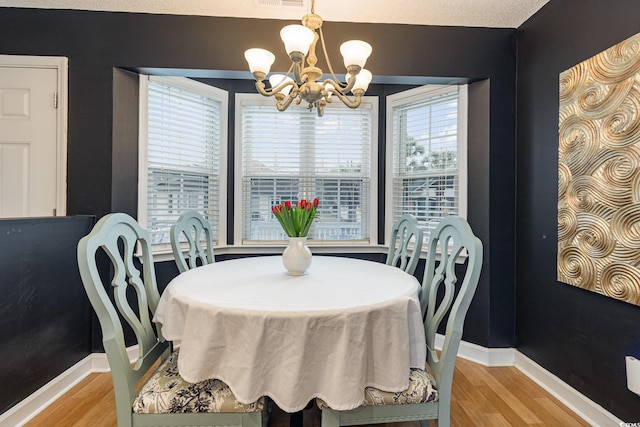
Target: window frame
(257, 99)
(195, 87)
(414, 95)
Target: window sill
(162, 255)
(276, 249)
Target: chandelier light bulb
(355, 52)
(259, 60)
(363, 78)
(296, 38)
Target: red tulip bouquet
(296, 220)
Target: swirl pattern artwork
(599, 173)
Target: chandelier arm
(278, 89)
(288, 73)
(281, 106)
(345, 99)
(340, 87)
(260, 86)
(320, 106)
(326, 57)
(261, 89)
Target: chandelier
(300, 43)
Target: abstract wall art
(599, 173)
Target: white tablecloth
(345, 325)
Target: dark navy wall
(45, 317)
(580, 336)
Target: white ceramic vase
(297, 256)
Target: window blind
(183, 157)
(425, 168)
(294, 154)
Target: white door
(32, 177)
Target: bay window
(294, 154)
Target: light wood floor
(481, 397)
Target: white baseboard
(482, 355)
(581, 405)
(46, 395)
(24, 411)
(585, 408)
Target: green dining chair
(126, 289)
(197, 232)
(405, 244)
(428, 396)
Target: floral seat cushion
(167, 392)
(421, 390)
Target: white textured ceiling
(466, 13)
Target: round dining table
(344, 325)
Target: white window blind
(295, 154)
(186, 127)
(427, 128)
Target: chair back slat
(196, 231)
(405, 244)
(126, 276)
(118, 235)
